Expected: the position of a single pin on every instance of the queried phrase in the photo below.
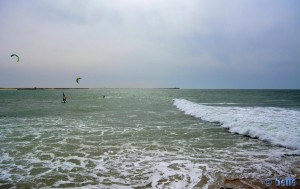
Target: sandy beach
(259, 184)
(254, 184)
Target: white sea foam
(97, 151)
(279, 126)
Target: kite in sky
(77, 80)
(15, 56)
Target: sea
(146, 138)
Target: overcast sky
(150, 43)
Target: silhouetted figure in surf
(64, 98)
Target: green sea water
(146, 138)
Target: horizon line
(49, 88)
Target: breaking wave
(279, 126)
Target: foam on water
(133, 164)
(67, 151)
(107, 146)
(279, 126)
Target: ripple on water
(72, 153)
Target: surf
(278, 126)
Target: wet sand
(255, 184)
(259, 184)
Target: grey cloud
(225, 43)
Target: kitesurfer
(64, 98)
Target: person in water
(64, 98)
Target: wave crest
(279, 126)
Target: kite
(77, 80)
(15, 56)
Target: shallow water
(145, 138)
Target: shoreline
(35, 88)
(252, 183)
(7, 89)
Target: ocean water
(146, 138)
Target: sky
(201, 44)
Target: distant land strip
(36, 88)
(51, 88)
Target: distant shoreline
(168, 88)
(36, 88)
(4, 89)
(53, 88)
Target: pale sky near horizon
(150, 43)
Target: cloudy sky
(150, 43)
